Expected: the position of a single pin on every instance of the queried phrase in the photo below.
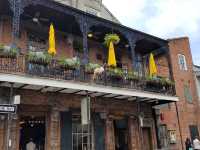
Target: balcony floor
(70, 87)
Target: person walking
(188, 144)
(30, 145)
(196, 143)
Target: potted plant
(8, 51)
(90, 67)
(40, 58)
(131, 76)
(69, 63)
(116, 73)
(111, 38)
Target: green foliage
(115, 72)
(160, 80)
(111, 38)
(8, 51)
(132, 76)
(90, 67)
(69, 63)
(39, 57)
(1, 47)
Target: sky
(162, 18)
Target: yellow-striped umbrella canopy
(52, 45)
(152, 66)
(111, 56)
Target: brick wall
(188, 112)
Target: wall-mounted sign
(85, 111)
(8, 109)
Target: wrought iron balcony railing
(21, 65)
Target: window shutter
(187, 93)
(66, 130)
(99, 133)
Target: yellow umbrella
(52, 45)
(111, 56)
(152, 66)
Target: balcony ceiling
(69, 87)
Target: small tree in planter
(40, 58)
(69, 63)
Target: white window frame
(182, 63)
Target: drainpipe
(179, 126)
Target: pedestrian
(30, 145)
(196, 143)
(188, 144)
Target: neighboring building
(56, 95)
(94, 7)
(182, 117)
(196, 70)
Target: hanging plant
(111, 38)
(41, 58)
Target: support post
(17, 11)
(133, 135)
(132, 43)
(9, 121)
(109, 139)
(84, 29)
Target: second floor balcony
(79, 38)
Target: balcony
(30, 29)
(118, 78)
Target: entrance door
(147, 140)
(32, 130)
(121, 134)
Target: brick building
(53, 95)
(182, 116)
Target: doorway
(147, 139)
(121, 134)
(32, 129)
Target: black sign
(8, 109)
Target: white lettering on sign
(7, 109)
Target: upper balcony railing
(113, 77)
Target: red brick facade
(188, 112)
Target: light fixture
(35, 20)
(90, 35)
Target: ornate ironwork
(54, 71)
(15, 6)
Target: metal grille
(82, 135)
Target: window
(163, 136)
(187, 93)
(182, 62)
(193, 131)
(82, 135)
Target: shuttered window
(187, 93)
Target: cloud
(162, 18)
